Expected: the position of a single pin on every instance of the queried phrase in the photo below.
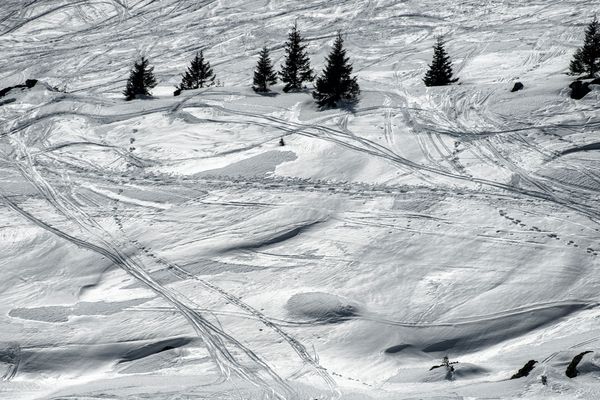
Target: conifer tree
(440, 71)
(587, 58)
(141, 80)
(264, 76)
(198, 75)
(296, 65)
(336, 84)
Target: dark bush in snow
(579, 89)
(449, 367)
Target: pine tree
(198, 75)
(587, 58)
(296, 65)
(141, 80)
(440, 71)
(264, 76)
(336, 84)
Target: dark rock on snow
(29, 83)
(571, 371)
(518, 86)
(525, 370)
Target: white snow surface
(170, 249)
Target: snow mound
(258, 165)
(321, 307)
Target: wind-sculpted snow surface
(172, 249)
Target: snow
(321, 307)
(170, 248)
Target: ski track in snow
(461, 221)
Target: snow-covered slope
(170, 249)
